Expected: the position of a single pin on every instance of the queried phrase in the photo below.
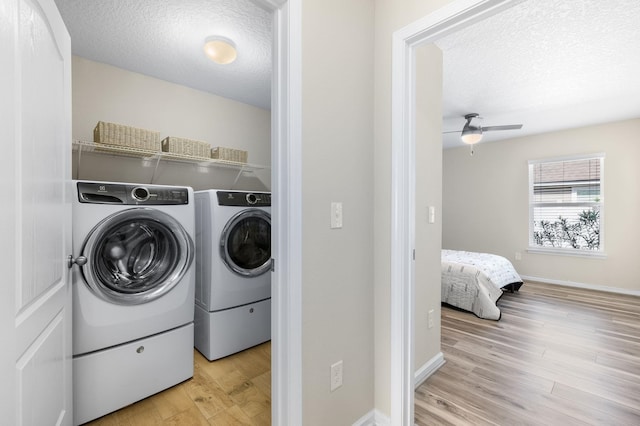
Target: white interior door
(35, 295)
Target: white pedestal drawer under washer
(233, 271)
(133, 293)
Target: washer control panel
(127, 194)
(244, 199)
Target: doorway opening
(446, 20)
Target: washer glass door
(136, 255)
(245, 243)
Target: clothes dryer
(133, 293)
(233, 271)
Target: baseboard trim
(428, 369)
(597, 287)
(373, 418)
(376, 418)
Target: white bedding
(475, 281)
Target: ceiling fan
(473, 134)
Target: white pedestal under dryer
(133, 293)
(233, 271)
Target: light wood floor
(558, 356)
(235, 390)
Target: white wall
(106, 93)
(337, 165)
(485, 203)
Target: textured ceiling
(546, 64)
(164, 39)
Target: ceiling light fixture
(220, 50)
(471, 134)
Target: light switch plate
(336, 215)
(336, 375)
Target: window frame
(567, 251)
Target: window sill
(568, 252)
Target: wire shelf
(124, 151)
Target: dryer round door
(245, 243)
(136, 256)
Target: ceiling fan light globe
(471, 136)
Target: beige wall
(337, 165)
(106, 93)
(485, 203)
(390, 16)
(428, 193)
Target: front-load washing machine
(233, 271)
(133, 293)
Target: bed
(475, 281)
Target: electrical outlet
(518, 255)
(336, 375)
(430, 318)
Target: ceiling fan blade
(507, 127)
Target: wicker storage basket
(229, 154)
(127, 136)
(183, 146)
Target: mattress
(475, 281)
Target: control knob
(252, 199)
(140, 193)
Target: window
(566, 205)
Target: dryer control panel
(244, 199)
(131, 194)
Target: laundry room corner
(103, 92)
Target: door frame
(286, 213)
(450, 18)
